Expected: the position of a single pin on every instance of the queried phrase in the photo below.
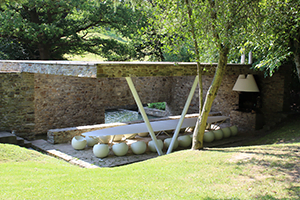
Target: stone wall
(66, 101)
(17, 103)
(71, 95)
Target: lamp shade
(245, 84)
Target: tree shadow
(282, 160)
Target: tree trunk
(44, 52)
(210, 96)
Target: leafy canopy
(277, 37)
(47, 29)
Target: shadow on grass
(269, 197)
(277, 163)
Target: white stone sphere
(101, 150)
(226, 132)
(104, 139)
(167, 143)
(208, 136)
(218, 134)
(184, 141)
(90, 141)
(145, 134)
(117, 138)
(78, 142)
(120, 149)
(151, 145)
(234, 130)
(138, 147)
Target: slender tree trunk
(297, 56)
(210, 96)
(199, 68)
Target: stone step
(9, 138)
(6, 137)
(26, 144)
(20, 141)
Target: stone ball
(78, 142)
(218, 134)
(234, 130)
(184, 141)
(117, 138)
(167, 143)
(91, 141)
(104, 139)
(145, 134)
(101, 150)
(226, 132)
(130, 136)
(120, 149)
(138, 147)
(209, 136)
(151, 145)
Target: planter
(101, 150)
(120, 149)
(78, 142)
(151, 145)
(184, 141)
(209, 136)
(138, 147)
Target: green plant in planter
(157, 105)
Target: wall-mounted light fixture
(245, 84)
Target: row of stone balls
(219, 134)
(101, 150)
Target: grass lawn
(253, 172)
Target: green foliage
(276, 39)
(157, 105)
(49, 29)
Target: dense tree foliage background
(47, 29)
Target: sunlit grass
(259, 172)
(84, 57)
(94, 57)
(252, 172)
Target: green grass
(252, 172)
(94, 57)
(287, 132)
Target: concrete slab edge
(63, 156)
